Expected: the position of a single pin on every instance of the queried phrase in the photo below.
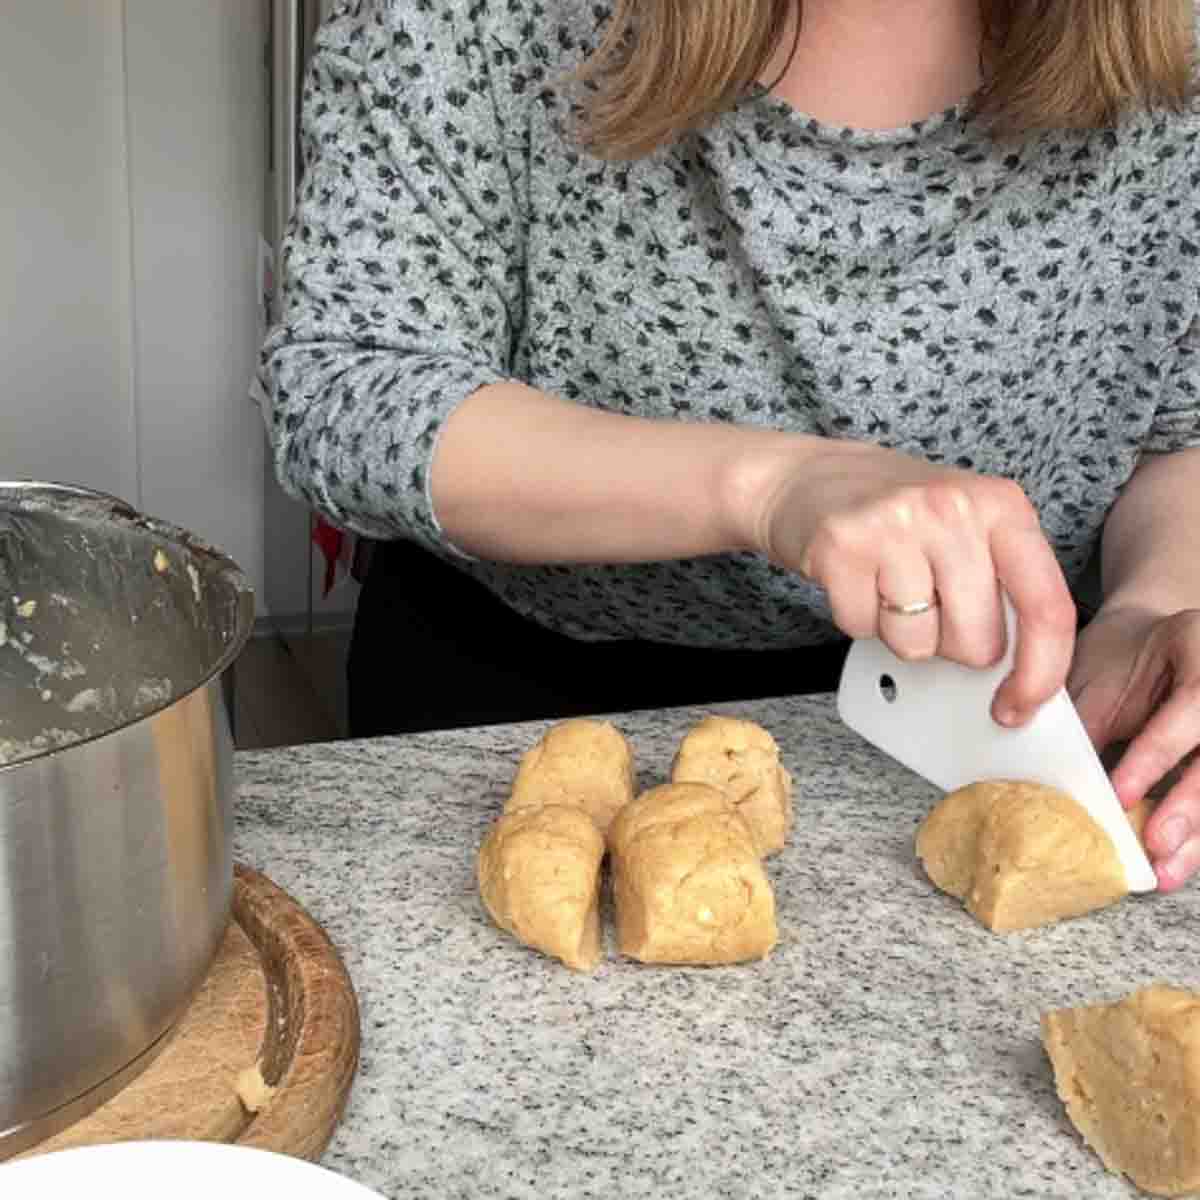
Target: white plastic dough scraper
(935, 717)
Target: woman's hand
(878, 529)
(1136, 678)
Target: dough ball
(1129, 1075)
(539, 876)
(581, 764)
(741, 759)
(688, 883)
(1019, 855)
(253, 1090)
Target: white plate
(178, 1170)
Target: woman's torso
(1010, 309)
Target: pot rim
(105, 507)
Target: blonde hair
(665, 67)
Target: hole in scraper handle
(888, 689)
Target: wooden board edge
(311, 1050)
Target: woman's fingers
(1173, 832)
(1166, 739)
(850, 587)
(972, 619)
(909, 619)
(1096, 702)
(948, 539)
(1046, 621)
(1152, 691)
(1180, 867)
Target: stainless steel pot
(115, 792)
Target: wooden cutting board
(264, 1055)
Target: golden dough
(581, 764)
(741, 759)
(1019, 855)
(687, 880)
(253, 1090)
(539, 876)
(1129, 1075)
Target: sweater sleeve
(401, 272)
(1177, 420)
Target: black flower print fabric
(1028, 310)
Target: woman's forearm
(521, 476)
(1151, 547)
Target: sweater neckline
(792, 123)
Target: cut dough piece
(1019, 855)
(687, 880)
(581, 764)
(1129, 1075)
(253, 1090)
(741, 759)
(539, 876)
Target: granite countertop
(888, 1047)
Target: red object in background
(331, 541)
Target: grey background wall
(67, 395)
(132, 195)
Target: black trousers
(434, 649)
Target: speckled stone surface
(889, 1046)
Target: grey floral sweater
(1026, 310)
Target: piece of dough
(1019, 855)
(539, 876)
(580, 763)
(253, 1090)
(687, 880)
(741, 759)
(1129, 1075)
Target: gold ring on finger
(916, 608)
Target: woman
(668, 348)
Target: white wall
(133, 141)
(197, 111)
(66, 398)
